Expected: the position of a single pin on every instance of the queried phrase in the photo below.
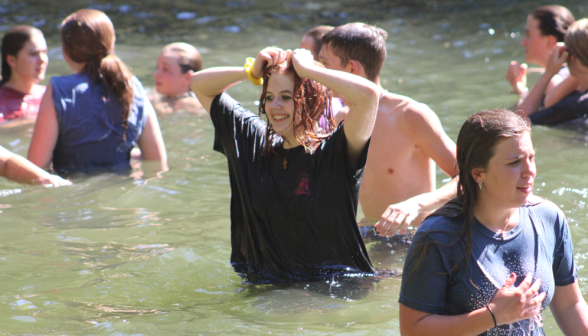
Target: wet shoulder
(442, 229)
(545, 210)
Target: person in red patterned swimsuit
(24, 61)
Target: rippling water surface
(148, 253)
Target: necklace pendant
(285, 163)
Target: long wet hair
(12, 43)
(88, 37)
(553, 20)
(312, 101)
(476, 144)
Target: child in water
(175, 66)
(24, 61)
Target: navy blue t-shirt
(294, 222)
(540, 244)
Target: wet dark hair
(476, 144)
(88, 37)
(553, 20)
(316, 34)
(12, 43)
(360, 42)
(312, 101)
(189, 57)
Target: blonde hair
(577, 40)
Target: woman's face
(279, 104)
(169, 79)
(537, 46)
(508, 179)
(31, 61)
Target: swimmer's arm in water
(399, 216)
(209, 83)
(151, 141)
(534, 97)
(560, 91)
(45, 133)
(361, 94)
(16, 168)
(570, 310)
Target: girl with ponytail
(92, 119)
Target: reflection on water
(148, 252)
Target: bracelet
(248, 66)
(492, 313)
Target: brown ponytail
(88, 37)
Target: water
(148, 253)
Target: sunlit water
(148, 253)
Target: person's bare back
(406, 142)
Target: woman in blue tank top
(91, 120)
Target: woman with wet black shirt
(294, 183)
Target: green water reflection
(148, 254)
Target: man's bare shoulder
(405, 109)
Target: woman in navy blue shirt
(491, 260)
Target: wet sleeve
(425, 277)
(339, 141)
(234, 125)
(564, 266)
(571, 107)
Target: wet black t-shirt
(293, 224)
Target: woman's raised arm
(209, 83)
(362, 95)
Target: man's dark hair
(360, 42)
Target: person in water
(24, 62)
(91, 120)
(294, 184)
(398, 187)
(572, 102)
(175, 66)
(491, 260)
(313, 40)
(545, 26)
(16, 168)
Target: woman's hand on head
(557, 58)
(511, 304)
(268, 57)
(302, 60)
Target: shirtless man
(398, 187)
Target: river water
(148, 253)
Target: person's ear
(477, 174)
(356, 68)
(11, 60)
(551, 41)
(188, 76)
